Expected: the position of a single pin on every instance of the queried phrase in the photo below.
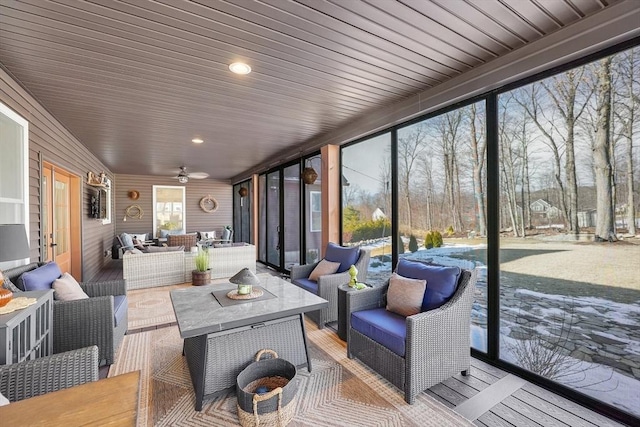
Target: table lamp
(13, 246)
(245, 279)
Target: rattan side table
(342, 308)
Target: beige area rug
(338, 392)
(152, 306)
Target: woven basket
(275, 408)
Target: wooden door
(61, 221)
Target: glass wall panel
(242, 197)
(262, 217)
(366, 202)
(569, 264)
(442, 198)
(291, 215)
(313, 213)
(273, 218)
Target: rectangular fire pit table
(221, 336)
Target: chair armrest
(363, 264)
(106, 288)
(328, 284)
(302, 271)
(50, 373)
(367, 298)
(83, 322)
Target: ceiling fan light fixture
(197, 140)
(183, 179)
(239, 68)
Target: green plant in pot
(201, 275)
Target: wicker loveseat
(99, 320)
(432, 345)
(50, 373)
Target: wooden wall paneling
(49, 140)
(196, 218)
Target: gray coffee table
(221, 336)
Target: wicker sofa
(436, 342)
(99, 320)
(149, 270)
(50, 373)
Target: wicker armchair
(437, 342)
(186, 240)
(327, 286)
(98, 320)
(50, 373)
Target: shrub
(450, 231)
(368, 230)
(428, 240)
(413, 244)
(437, 239)
(400, 245)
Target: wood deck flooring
(489, 397)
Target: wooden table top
(107, 402)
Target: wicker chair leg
(466, 372)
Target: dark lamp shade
(13, 242)
(245, 277)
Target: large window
(14, 179)
(569, 271)
(366, 202)
(168, 210)
(442, 199)
(313, 213)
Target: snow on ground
(596, 380)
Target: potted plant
(201, 275)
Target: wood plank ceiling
(136, 80)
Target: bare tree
(628, 101)
(447, 127)
(564, 93)
(508, 166)
(605, 227)
(529, 99)
(410, 147)
(478, 155)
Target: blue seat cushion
(442, 282)
(119, 309)
(384, 327)
(345, 256)
(41, 278)
(308, 285)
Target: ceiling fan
(183, 176)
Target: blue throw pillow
(442, 282)
(40, 279)
(127, 240)
(345, 256)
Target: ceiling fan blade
(198, 175)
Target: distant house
(544, 209)
(587, 218)
(378, 214)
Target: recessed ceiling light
(239, 68)
(197, 140)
